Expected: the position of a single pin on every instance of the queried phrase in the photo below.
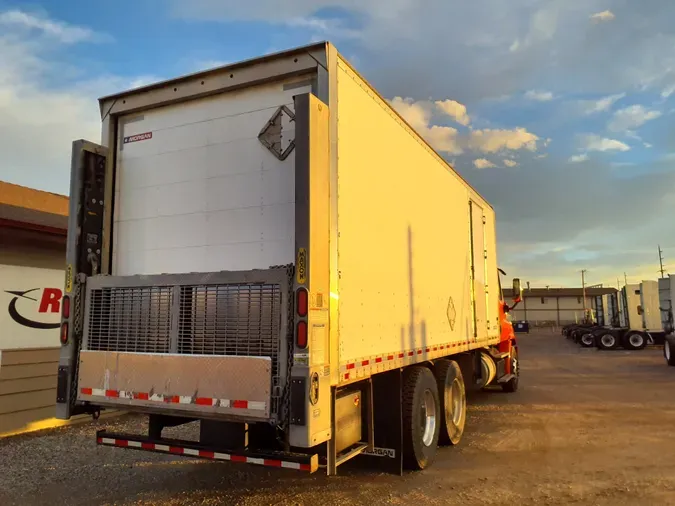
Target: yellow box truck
(269, 249)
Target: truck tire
(587, 340)
(634, 341)
(421, 410)
(669, 352)
(452, 396)
(512, 385)
(607, 341)
(577, 333)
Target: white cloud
(493, 140)
(510, 163)
(455, 110)
(482, 163)
(62, 32)
(578, 158)
(39, 122)
(600, 17)
(602, 105)
(668, 91)
(539, 96)
(596, 143)
(648, 145)
(631, 117)
(449, 140)
(418, 115)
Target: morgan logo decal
(301, 266)
(138, 137)
(382, 452)
(50, 302)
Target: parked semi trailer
(268, 248)
(666, 298)
(630, 319)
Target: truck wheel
(421, 417)
(452, 394)
(512, 385)
(607, 341)
(634, 341)
(669, 352)
(587, 340)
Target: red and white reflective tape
(174, 399)
(379, 363)
(205, 454)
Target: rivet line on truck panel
(206, 454)
(384, 362)
(175, 399)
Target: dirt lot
(586, 427)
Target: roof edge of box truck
(173, 93)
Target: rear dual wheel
(634, 341)
(430, 418)
(587, 340)
(607, 341)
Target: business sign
(30, 307)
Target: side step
(357, 449)
(286, 460)
(506, 378)
(499, 355)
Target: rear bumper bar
(285, 460)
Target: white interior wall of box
(203, 194)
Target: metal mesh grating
(134, 319)
(234, 320)
(228, 319)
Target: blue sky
(561, 112)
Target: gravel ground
(586, 427)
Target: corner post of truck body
(84, 159)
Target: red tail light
(301, 335)
(301, 302)
(64, 332)
(65, 306)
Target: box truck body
(258, 247)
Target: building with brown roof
(33, 231)
(556, 306)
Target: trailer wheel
(669, 352)
(607, 341)
(634, 341)
(452, 396)
(512, 385)
(587, 340)
(421, 418)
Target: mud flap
(388, 417)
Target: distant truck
(666, 298)
(630, 319)
(268, 248)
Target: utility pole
(661, 262)
(625, 278)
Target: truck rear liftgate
(209, 343)
(207, 346)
